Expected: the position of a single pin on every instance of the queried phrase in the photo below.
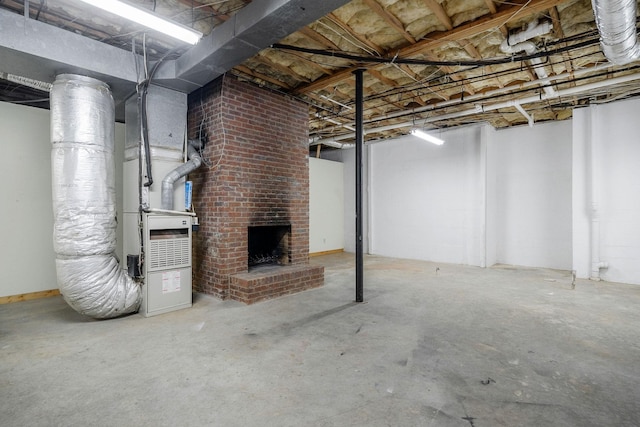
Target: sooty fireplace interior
(269, 245)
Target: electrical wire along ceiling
(429, 63)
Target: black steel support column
(359, 143)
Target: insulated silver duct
(83, 183)
(184, 169)
(616, 21)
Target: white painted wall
(614, 130)
(26, 254)
(532, 167)
(348, 159)
(326, 205)
(530, 195)
(427, 201)
(491, 202)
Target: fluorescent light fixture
(423, 135)
(148, 19)
(336, 102)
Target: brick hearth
(258, 176)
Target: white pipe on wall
(594, 184)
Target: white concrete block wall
(326, 205)
(614, 130)
(26, 254)
(348, 159)
(427, 201)
(532, 167)
(485, 196)
(27, 260)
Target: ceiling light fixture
(148, 19)
(423, 135)
(336, 102)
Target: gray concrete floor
(458, 346)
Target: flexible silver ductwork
(83, 183)
(166, 197)
(616, 21)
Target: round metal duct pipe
(83, 184)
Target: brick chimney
(257, 182)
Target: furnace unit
(167, 264)
(157, 221)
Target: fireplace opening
(269, 245)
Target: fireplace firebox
(268, 245)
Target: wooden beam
(439, 39)
(440, 13)
(557, 30)
(327, 81)
(333, 18)
(473, 52)
(283, 69)
(246, 70)
(491, 6)
(309, 61)
(389, 19)
(471, 49)
(470, 29)
(450, 71)
(318, 38)
(379, 76)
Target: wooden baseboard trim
(333, 251)
(29, 296)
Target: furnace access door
(167, 266)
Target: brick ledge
(271, 282)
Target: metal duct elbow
(616, 21)
(83, 189)
(166, 196)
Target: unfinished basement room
(320, 213)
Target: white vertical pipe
(594, 184)
(525, 114)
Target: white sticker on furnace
(170, 282)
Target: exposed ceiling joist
(434, 41)
(390, 19)
(440, 13)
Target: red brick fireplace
(256, 189)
